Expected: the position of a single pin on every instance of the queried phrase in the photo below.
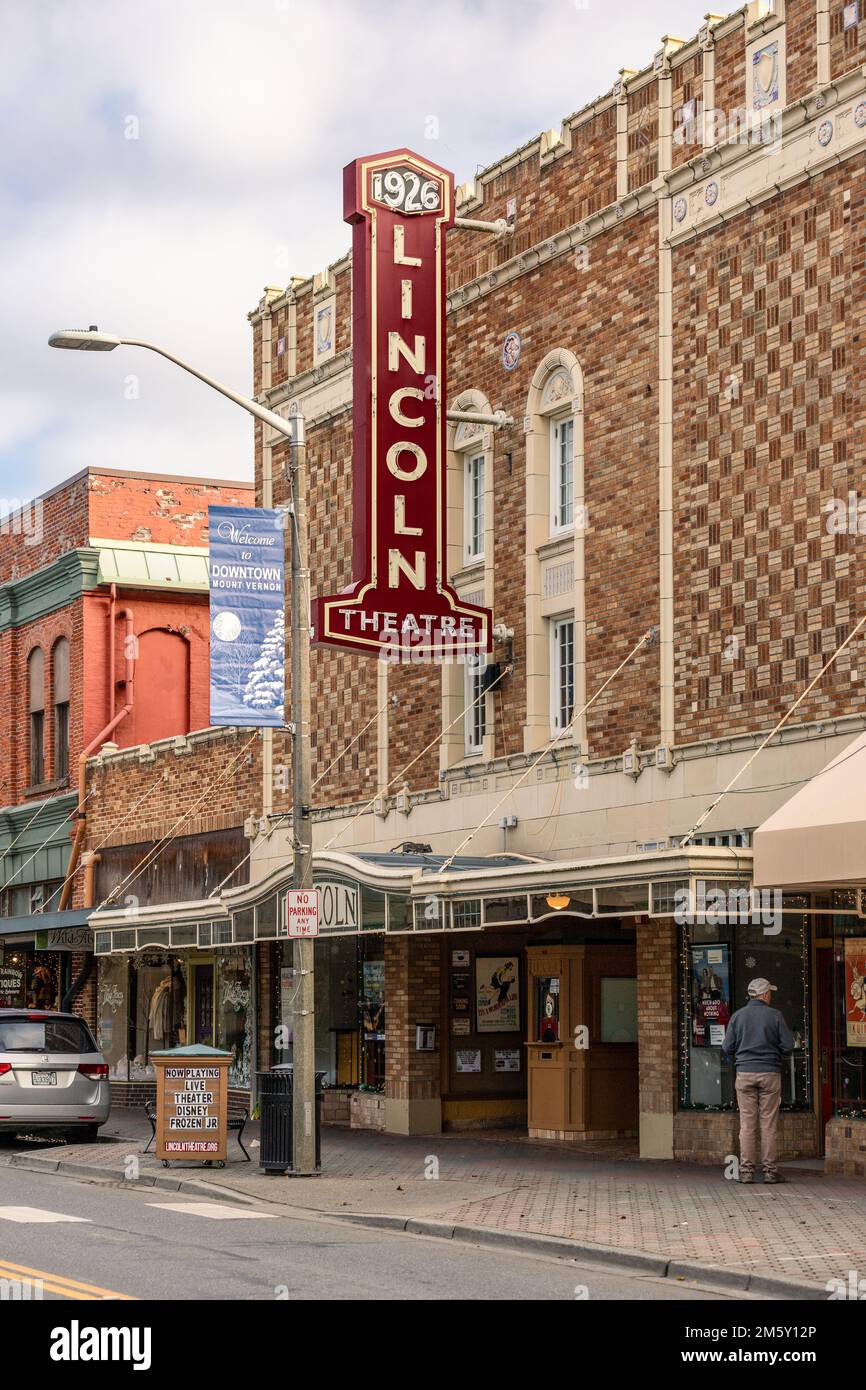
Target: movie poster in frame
(711, 994)
(855, 991)
(497, 994)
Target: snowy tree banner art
(247, 616)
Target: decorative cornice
(285, 391)
(794, 156)
(560, 244)
(14, 819)
(720, 160)
(54, 586)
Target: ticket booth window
(547, 1008)
(581, 1049)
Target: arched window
(556, 522)
(470, 570)
(162, 689)
(60, 684)
(557, 398)
(36, 705)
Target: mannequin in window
(159, 1013)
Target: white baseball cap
(759, 987)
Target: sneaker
(746, 1175)
(774, 1177)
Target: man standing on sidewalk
(758, 1037)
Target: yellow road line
(46, 1287)
(59, 1283)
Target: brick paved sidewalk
(812, 1228)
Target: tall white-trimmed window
(60, 683)
(562, 473)
(561, 672)
(475, 718)
(36, 692)
(473, 508)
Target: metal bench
(233, 1125)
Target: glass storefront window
(32, 979)
(112, 1003)
(505, 909)
(337, 1010)
(234, 1023)
(159, 1013)
(373, 1015)
(847, 1025)
(350, 1009)
(717, 962)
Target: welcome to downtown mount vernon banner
(247, 616)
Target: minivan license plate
(45, 1078)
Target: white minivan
(52, 1074)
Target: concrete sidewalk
(811, 1229)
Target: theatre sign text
(400, 601)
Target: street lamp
(304, 1045)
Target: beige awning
(818, 838)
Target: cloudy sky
(244, 113)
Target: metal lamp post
(304, 1047)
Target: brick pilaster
(657, 1011)
(412, 994)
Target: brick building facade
(103, 605)
(673, 318)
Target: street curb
(161, 1181)
(730, 1280)
(660, 1266)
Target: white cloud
(247, 111)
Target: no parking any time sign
(302, 912)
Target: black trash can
(276, 1095)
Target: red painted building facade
(103, 609)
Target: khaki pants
(759, 1095)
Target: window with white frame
(475, 718)
(561, 672)
(473, 509)
(562, 473)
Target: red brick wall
(730, 92)
(562, 306)
(607, 315)
(643, 130)
(658, 1012)
(57, 523)
(772, 307)
(104, 506)
(16, 645)
(412, 992)
(168, 511)
(687, 85)
(577, 184)
(801, 42)
(84, 1002)
(847, 46)
(215, 785)
(183, 614)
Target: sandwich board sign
(191, 1104)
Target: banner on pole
(247, 616)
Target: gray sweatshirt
(759, 1037)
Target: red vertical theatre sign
(400, 602)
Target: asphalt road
(90, 1241)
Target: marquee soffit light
(558, 901)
